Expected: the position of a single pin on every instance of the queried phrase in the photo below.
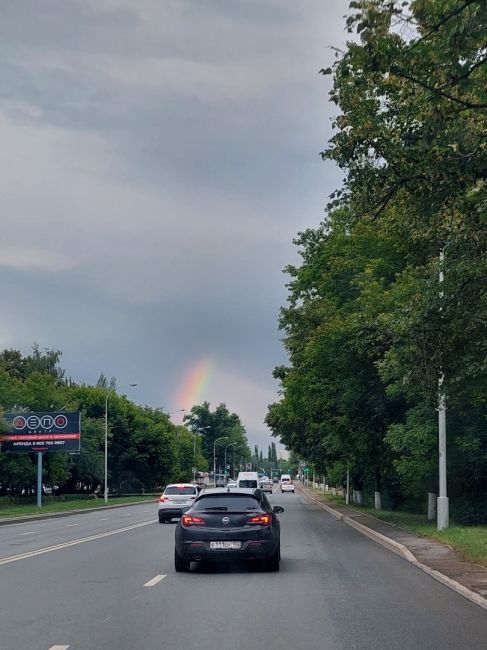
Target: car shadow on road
(229, 566)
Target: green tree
(219, 423)
(367, 329)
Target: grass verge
(469, 541)
(21, 511)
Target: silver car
(176, 499)
(266, 484)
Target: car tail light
(162, 499)
(189, 520)
(260, 520)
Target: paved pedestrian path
(437, 557)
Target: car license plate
(234, 546)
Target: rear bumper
(172, 512)
(250, 550)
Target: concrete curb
(391, 544)
(67, 513)
(402, 551)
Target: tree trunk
(377, 495)
(431, 505)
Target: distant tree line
(146, 450)
(368, 327)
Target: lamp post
(111, 390)
(194, 448)
(230, 444)
(214, 457)
(442, 502)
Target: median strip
(75, 542)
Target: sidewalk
(437, 560)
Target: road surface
(105, 581)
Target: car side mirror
(277, 509)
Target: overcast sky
(157, 158)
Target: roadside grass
(469, 541)
(21, 510)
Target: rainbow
(194, 383)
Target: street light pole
(111, 390)
(442, 507)
(194, 449)
(214, 457)
(230, 444)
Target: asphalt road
(99, 586)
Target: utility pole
(214, 457)
(442, 503)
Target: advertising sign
(46, 432)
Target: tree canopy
(367, 327)
(145, 449)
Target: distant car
(223, 524)
(232, 483)
(275, 479)
(287, 484)
(176, 499)
(266, 484)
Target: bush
(8, 501)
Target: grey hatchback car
(229, 523)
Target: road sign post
(39, 479)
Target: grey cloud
(157, 160)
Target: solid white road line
(154, 581)
(74, 542)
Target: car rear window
(236, 503)
(247, 484)
(183, 489)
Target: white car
(287, 484)
(232, 483)
(176, 499)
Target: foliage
(368, 328)
(145, 450)
(217, 430)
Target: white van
(248, 480)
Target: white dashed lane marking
(154, 581)
(32, 532)
(59, 647)
(71, 525)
